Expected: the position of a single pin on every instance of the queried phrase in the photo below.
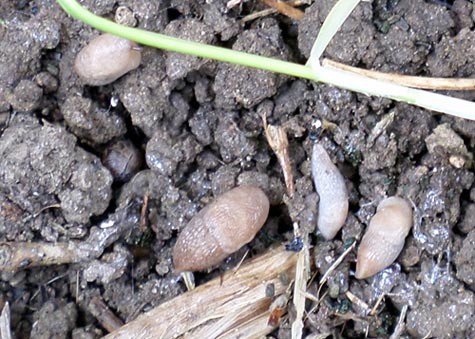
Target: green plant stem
(182, 46)
(425, 99)
(339, 78)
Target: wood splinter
(235, 307)
(104, 315)
(285, 9)
(19, 255)
(277, 139)
(271, 10)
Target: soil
(180, 131)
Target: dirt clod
(55, 319)
(91, 123)
(41, 166)
(246, 86)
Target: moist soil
(179, 131)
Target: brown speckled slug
(384, 238)
(106, 58)
(221, 228)
(331, 188)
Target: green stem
(187, 47)
(339, 78)
(425, 99)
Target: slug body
(106, 58)
(221, 228)
(384, 238)
(331, 188)
(122, 159)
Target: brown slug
(384, 238)
(106, 58)
(221, 228)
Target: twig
(38, 290)
(21, 255)
(5, 331)
(137, 310)
(337, 262)
(285, 9)
(357, 301)
(428, 335)
(451, 84)
(260, 14)
(349, 316)
(143, 214)
(189, 280)
(400, 324)
(310, 296)
(380, 127)
(77, 286)
(317, 302)
(302, 274)
(318, 335)
(98, 308)
(325, 276)
(235, 269)
(269, 11)
(46, 208)
(238, 306)
(374, 310)
(277, 139)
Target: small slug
(384, 238)
(221, 228)
(122, 159)
(331, 188)
(106, 58)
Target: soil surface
(179, 131)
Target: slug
(384, 238)
(331, 188)
(106, 58)
(122, 159)
(221, 228)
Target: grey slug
(331, 188)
